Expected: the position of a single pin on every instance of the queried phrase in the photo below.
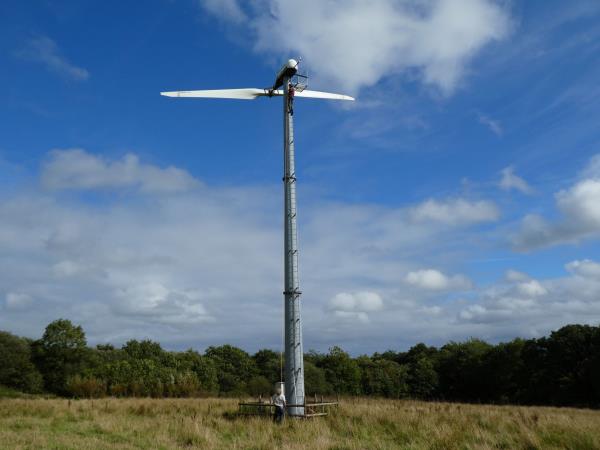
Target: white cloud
(226, 9)
(432, 279)
(513, 275)
(77, 169)
(455, 211)
(161, 304)
(44, 50)
(358, 301)
(586, 268)
(510, 180)
(582, 202)
(493, 125)
(539, 304)
(580, 209)
(353, 43)
(472, 311)
(142, 264)
(531, 288)
(355, 306)
(352, 316)
(17, 300)
(592, 170)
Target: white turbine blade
(324, 95)
(252, 93)
(239, 94)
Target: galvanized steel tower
(294, 356)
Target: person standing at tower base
(279, 402)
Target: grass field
(359, 424)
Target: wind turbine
(292, 85)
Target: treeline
(562, 369)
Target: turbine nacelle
(288, 70)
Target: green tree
(460, 368)
(423, 379)
(536, 387)
(203, 367)
(503, 366)
(341, 372)
(268, 364)
(391, 355)
(16, 368)
(383, 377)
(259, 385)
(234, 367)
(145, 349)
(315, 382)
(61, 354)
(314, 357)
(118, 375)
(86, 387)
(570, 364)
(594, 368)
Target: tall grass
(358, 424)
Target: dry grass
(359, 424)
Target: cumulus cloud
(509, 180)
(354, 43)
(141, 264)
(45, 51)
(455, 211)
(582, 201)
(432, 279)
(514, 275)
(586, 268)
(540, 305)
(161, 304)
(579, 206)
(146, 264)
(358, 301)
(77, 169)
(531, 288)
(592, 170)
(355, 305)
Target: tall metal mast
(294, 355)
(294, 362)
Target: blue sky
(458, 196)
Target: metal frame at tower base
(294, 356)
